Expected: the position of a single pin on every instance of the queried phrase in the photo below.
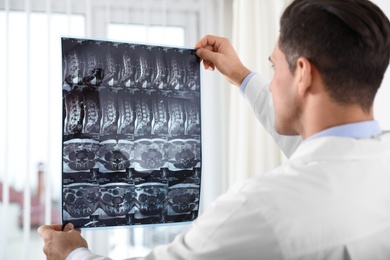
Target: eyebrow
(270, 59)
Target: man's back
(331, 200)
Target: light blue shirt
(245, 82)
(359, 130)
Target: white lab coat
(331, 200)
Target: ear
(303, 74)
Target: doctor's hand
(59, 244)
(218, 52)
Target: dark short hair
(348, 41)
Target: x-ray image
(143, 116)
(72, 67)
(149, 154)
(160, 116)
(80, 155)
(108, 100)
(131, 148)
(116, 199)
(126, 113)
(111, 63)
(151, 200)
(92, 114)
(192, 125)
(115, 155)
(81, 199)
(74, 112)
(183, 154)
(183, 199)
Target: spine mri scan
(131, 147)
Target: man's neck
(330, 114)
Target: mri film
(131, 135)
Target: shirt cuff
(245, 82)
(75, 252)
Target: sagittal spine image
(131, 148)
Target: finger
(207, 47)
(199, 44)
(56, 227)
(208, 65)
(206, 40)
(68, 227)
(206, 54)
(209, 57)
(44, 229)
(46, 232)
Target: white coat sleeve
(84, 253)
(259, 98)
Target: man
(331, 200)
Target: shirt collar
(365, 129)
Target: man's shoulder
(334, 148)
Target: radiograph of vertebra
(111, 68)
(175, 79)
(142, 75)
(91, 112)
(127, 71)
(126, 116)
(73, 105)
(183, 154)
(115, 155)
(159, 73)
(81, 199)
(151, 198)
(192, 124)
(191, 79)
(73, 67)
(142, 116)
(94, 72)
(176, 113)
(183, 198)
(116, 199)
(80, 154)
(109, 113)
(149, 154)
(160, 116)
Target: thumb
(68, 227)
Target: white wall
(382, 104)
